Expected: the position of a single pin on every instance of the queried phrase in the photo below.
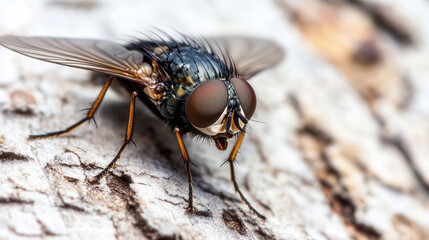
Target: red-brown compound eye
(207, 103)
(246, 96)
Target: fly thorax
(187, 68)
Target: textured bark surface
(339, 148)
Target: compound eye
(207, 103)
(246, 96)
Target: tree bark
(339, 148)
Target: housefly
(197, 86)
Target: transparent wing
(96, 55)
(250, 55)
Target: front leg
(188, 169)
(230, 160)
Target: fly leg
(230, 160)
(89, 116)
(127, 140)
(188, 169)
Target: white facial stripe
(219, 126)
(215, 128)
(234, 128)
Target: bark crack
(402, 148)
(331, 182)
(385, 21)
(120, 185)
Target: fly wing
(96, 55)
(249, 55)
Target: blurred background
(339, 148)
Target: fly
(197, 86)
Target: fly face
(221, 108)
(194, 85)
